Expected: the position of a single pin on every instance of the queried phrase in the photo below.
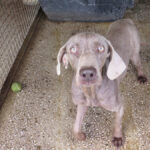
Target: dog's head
(88, 53)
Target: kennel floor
(41, 116)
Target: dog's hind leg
(137, 62)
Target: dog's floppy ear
(116, 66)
(62, 57)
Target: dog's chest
(104, 96)
(103, 99)
(107, 98)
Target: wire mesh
(16, 19)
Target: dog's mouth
(88, 83)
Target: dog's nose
(88, 74)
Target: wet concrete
(41, 116)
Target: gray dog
(100, 64)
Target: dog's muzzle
(88, 75)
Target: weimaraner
(100, 64)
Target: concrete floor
(41, 116)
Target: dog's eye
(73, 50)
(101, 49)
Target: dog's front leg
(81, 110)
(117, 136)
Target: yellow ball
(16, 87)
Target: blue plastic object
(85, 10)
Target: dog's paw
(80, 136)
(142, 79)
(117, 141)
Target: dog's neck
(90, 96)
(89, 92)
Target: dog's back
(125, 39)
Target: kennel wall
(16, 19)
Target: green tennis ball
(16, 87)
